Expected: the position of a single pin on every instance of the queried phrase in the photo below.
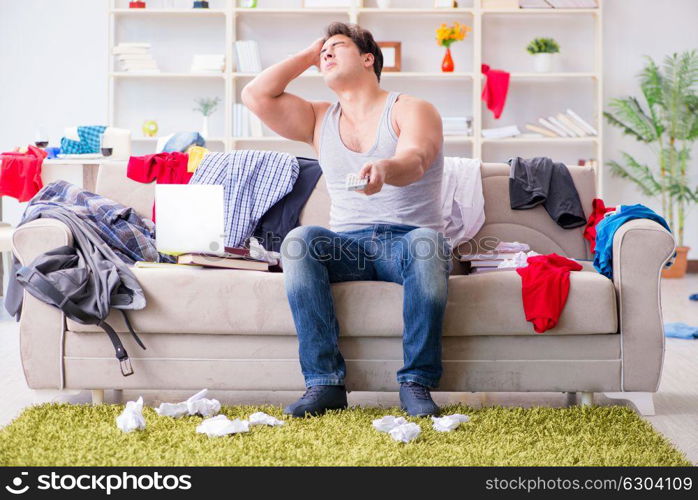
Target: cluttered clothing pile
(546, 278)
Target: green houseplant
(542, 50)
(668, 124)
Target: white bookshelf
(225, 17)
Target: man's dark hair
(363, 40)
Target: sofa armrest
(38, 236)
(41, 326)
(641, 247)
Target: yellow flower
(446, 35)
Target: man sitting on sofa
(390, 230)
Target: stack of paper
(573, 4)
(500, 132)
(455, 125)
(245, 123)
(568, 124)
(208, 63)
(248, 58)
(135, 57)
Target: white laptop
(189, 218)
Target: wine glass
(105, 145)
(41, 137)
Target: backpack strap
(36, 280)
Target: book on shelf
(561, 126)
(534, 4)
(500, 4)
(248, 57)
(246, 123)
(540, 130)
(500, 132)
(567, 122)
(573, 4)
(256, 126)
(456, 125)
(550, 126)
(131, 48)
(582, 122)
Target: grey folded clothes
(538, 181)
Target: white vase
(204, 128)
(543, 62)
(383, 4)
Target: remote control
(354, 183)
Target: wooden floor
(676, 401)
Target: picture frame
(444, 4)
(392, 55)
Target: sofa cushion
(221, 301)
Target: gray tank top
(417, 204)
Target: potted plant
(542, 50)
(445, 36)
(668, 124)
(206, 106)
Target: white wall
(53, 72)
(635, 28)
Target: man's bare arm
(286, 114)
(421, 137)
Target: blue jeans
(313, 257)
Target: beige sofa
(233, 330)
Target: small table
(85, 175)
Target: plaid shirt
(131, 237)
(88, 143)
(252, 182)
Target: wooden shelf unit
(473, 16)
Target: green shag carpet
(62, 434)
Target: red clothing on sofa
(597, 213)
(494, 92)
(164, 168)
(545, 283)
(20, 173)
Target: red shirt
(20, 174)
(545, 284)
(495, 90)
(597, 213)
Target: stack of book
(568, 124)
(456, 125)
(248, 58)
(135, 58)
(233, 258)
(246, 123)
(208, 63)
(487, 261)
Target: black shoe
(317, 400)
(416, 400)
